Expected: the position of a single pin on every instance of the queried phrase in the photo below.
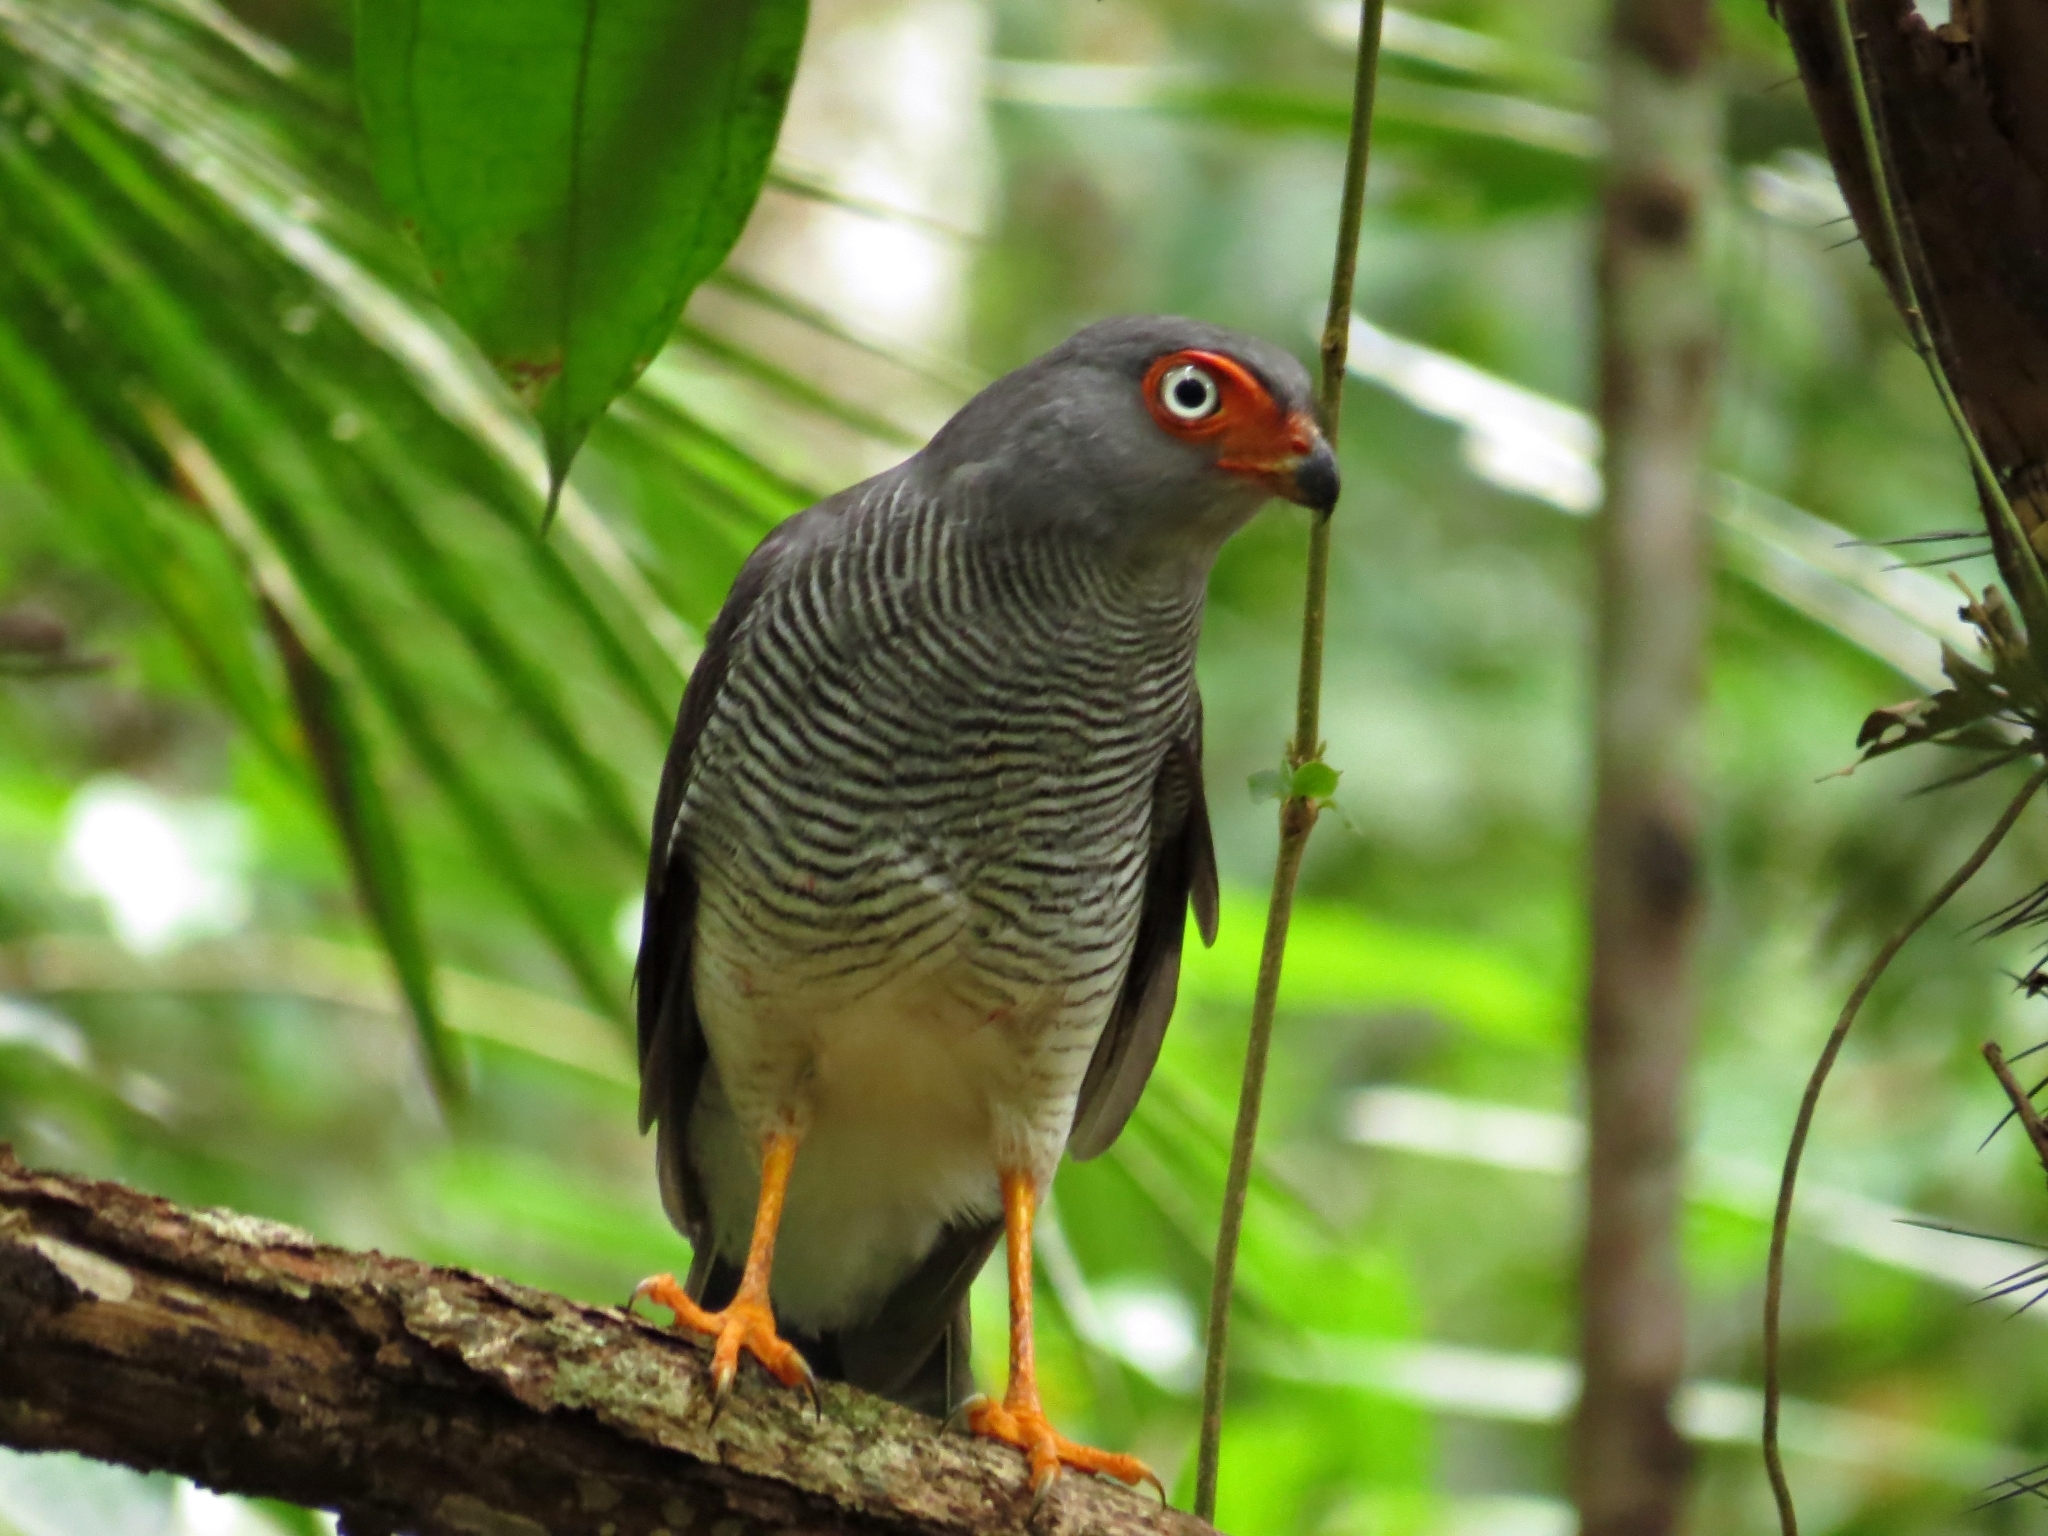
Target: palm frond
(356, 573)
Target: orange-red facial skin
(1252, 435)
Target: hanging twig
(1781, 1220)
(1298, 811)
(2022, 1101)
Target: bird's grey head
(1153, 434)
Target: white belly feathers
(907, 1097)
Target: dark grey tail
(915, 1349)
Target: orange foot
(1026, 1427)
(745, 1324)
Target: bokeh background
(221, 371)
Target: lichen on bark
(405, 1396)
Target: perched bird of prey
(924, 851)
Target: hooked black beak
(1299, 466)
(1312, 479)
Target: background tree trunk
(243, 1354)
(1657, 351)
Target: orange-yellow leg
(747, 1322)
(1019, 1419)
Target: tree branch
(2022, 1102)
(246, 1355)
(1299, 810)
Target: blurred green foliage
(228, 401)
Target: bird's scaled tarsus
(747, 1322)
(1019, 1419)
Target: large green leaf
(573, 169)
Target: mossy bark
(407, 1397)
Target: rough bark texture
(1964, 120)
(1656, 364)
(246, 1355)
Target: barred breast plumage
(923, 807)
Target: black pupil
(1191, 394)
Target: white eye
(1189, 392)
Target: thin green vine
(1299, 810)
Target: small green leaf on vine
(1315, 780)
(1269, 785)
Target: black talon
(1040, 1492)
(720, 1391)
(957, 1419)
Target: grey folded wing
(673, 1053)
(1181, 871)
